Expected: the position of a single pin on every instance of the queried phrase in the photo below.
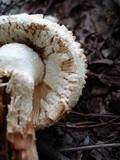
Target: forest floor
(92, 130)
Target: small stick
(95, 115)
(48, 6)
(3, 84)
(82, 126)
(91, 147)
(10, 6)
(72, 125)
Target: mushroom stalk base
(23, 144)
(20, 128)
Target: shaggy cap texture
(64, 65)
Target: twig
(10, 6)
(95, 115)
(83, 125)
(48, 6)
(91, 147)
(3, 84)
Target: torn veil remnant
(45, 69)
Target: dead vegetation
(92, 130)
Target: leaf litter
(96, 117)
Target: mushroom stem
(23, 144)
(24, 69)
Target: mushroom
(45, 70)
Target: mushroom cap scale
(63, 59)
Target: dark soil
(94, 123)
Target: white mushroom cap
(46, 74)
(63, 60)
